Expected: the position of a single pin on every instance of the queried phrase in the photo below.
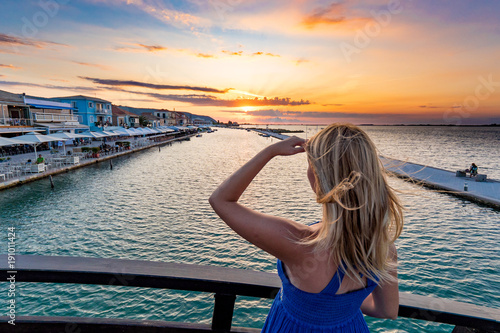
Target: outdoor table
(72, 160)
(36, 168)
(59, 160)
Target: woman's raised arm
(270, 233)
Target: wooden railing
(226, 283)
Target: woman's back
(314, 270)
(296, 310)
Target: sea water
(153, 205)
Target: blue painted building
(91, 111)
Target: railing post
(223, 312)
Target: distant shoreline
(426, 125)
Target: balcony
(52, 117)
(15, 122)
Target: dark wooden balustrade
(225, 283)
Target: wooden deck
(483, 192)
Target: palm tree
(143, 121)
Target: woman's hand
(291, 146)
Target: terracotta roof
(16, 99)
(117, 111)
(150, 116)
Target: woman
(334, 270)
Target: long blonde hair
(361, 214)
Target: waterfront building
(14, 113)
(153, 120)
(180, 118)
(124, 118)
(196, 120)
(91, 111)
(172, 118)
(20, 113)
(167, 116)
(53, 116)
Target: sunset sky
(380, 62)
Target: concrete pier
(274, 135)
(487, 193)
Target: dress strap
(313, 223)
(334, 284)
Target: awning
(20, 130)
(47, 104)
(61, 127)
(41, 106)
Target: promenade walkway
(483, 192)
(29, 177)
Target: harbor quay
(82, 159)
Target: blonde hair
(361, 214)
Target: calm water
(153, 206)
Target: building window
(108, 107)
(91, 105)
(91, 119)
(80, 119)
(73, 105)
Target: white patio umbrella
(136, 131)
(67, 136)
(164, 129)
(9, 142)
(93, 134)
(35, 139)
(150, 130)
(124, 131)
(109, 133)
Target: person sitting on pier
(473, 170)
(342, 266)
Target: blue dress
(294, 310)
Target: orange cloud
(9, 66)
(259, 53)
(152, 48)
(329, 15)
(205, 55)
(15, 41)
(238, 53)
(91, 65)
(335, 13)
(139, 47)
